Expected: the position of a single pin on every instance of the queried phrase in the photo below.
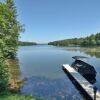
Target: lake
(42, 66)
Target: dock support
(95, 91)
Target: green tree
(10, 28)
(13, 29)
(3, 66)
(92, 40)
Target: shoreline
(14, 83)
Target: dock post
(95, 91)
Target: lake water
(42, 66)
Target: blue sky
(49, 20)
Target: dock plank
(88, 87)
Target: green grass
(9, 96)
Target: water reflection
(51, 89)
(95, 60)
(96, 54)
(92, 51)
(46, 61)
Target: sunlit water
(42, 66)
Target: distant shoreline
(22, 43)
(89, 41)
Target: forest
(21, 43)
(92, 40)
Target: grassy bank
(9, 96)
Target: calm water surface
(42, 65)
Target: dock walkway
(82, 82)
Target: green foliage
(26, 43)
(3, 72)
(8, 96)
(93, 40)
(10, 28)
(2, 85)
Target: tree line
(21, 43)
(10, 28)
(92, 40)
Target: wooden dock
(82, 83)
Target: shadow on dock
(82, 92)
